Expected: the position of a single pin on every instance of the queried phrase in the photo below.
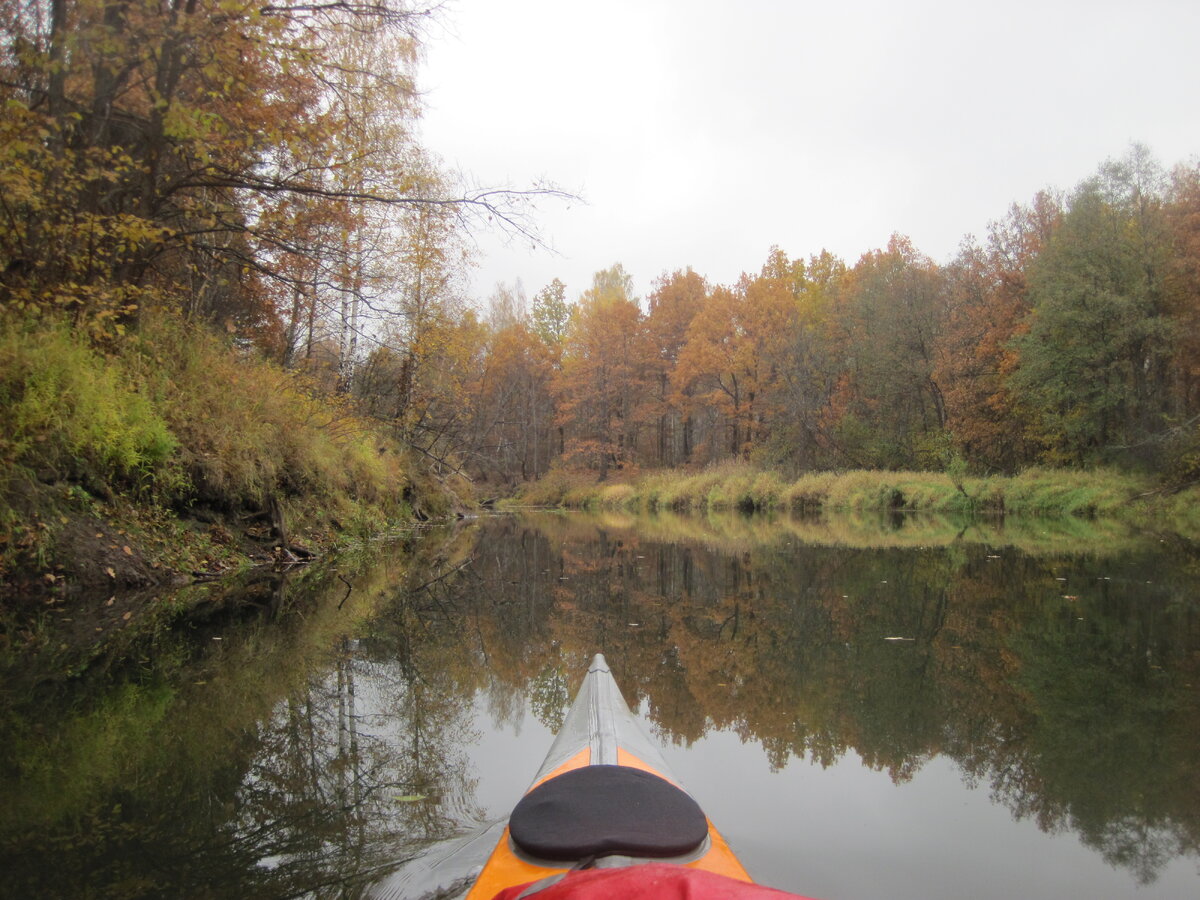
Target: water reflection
(1063, 681)
(327, 736)
(296, 753)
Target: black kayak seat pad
(599, 811)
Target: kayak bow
(604, 798)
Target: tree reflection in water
(284, 753)
(1063, 679)
(325, 738)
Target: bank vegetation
(737, 487)
(210, 213)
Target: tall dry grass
(739, 486)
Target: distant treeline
(1068, 336)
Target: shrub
(72, 409)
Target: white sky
(700, 133)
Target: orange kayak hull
(598, 730)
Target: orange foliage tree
(1183, 300)
(988, 302)
(674, 303)
(514, 409)
(737, 356)
(599, 386)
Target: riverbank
(182, 699)
(733, 486)
(173, 455)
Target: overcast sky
(701, 133)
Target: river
(867, 707)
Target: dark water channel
(892, 708)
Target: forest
(248, 177)
(1067, 337)
(238, 330)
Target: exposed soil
(74, 579)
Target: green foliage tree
(551, 312)
(888, 409)
(1095, 359)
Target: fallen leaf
(127, 551)
(127, 616)
(111, 572)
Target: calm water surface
(867, 708)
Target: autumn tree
(1182, 215)
(988, 300)
(513, 428)
(514, 409)
(889, 410)
(798, 439)
(550, 313)
(185, 154)
(427, 341)
(674, 303)
(737, 358)
(598, 388)
(709, 377)
(786, 315)
(507, 306)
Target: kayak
(605, 817)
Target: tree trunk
(278, 522)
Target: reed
(738, 486)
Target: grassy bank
(174, 451)
(740, 487)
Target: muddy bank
(84, 576)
